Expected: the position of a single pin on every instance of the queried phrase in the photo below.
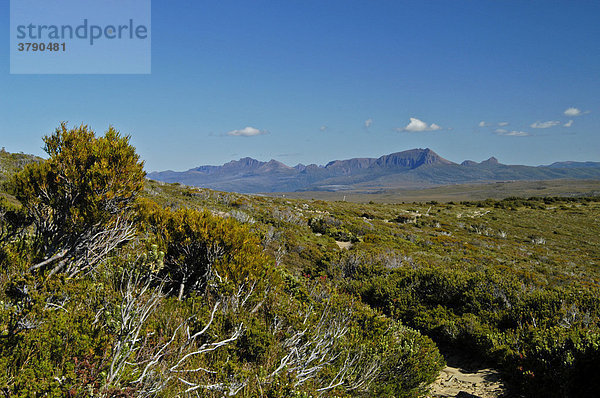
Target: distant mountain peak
(244, 164)
(469, 163)
(274, 165)
(247, 161)
(412, 159)
(491, 160)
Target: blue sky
(312, 81)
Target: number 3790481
(41, 46)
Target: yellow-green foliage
(199, 246)
(87, 180)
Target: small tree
(79, 199)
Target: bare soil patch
(465, 378)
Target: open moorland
(113, 285)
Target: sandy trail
(343, 245)
(464, 378)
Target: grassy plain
(459, 192)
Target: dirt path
(344, 245)
(467, 379)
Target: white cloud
(323, 128)
(368, 122)
(568, 124)
(573, 112)
(417, 125)
(545, 125)
(511, 133)
(502, 124)
(246, 132)
(483, 124)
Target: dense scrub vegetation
(116, 286)
(514, 282)
(113, 286)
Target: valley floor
(457, 193)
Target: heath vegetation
(116, 286)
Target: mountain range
(415, 168)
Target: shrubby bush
(331, 227)
(78, 200)
(201, 248)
